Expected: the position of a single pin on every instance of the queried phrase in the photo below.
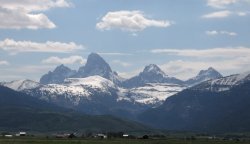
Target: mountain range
(96, 89)
(152, 97)
(219, 105)
(21, 112)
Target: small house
(102, 136)
(125, 135)
(22, 134)
(8, 136)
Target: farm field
(116, 141)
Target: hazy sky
(181, 36)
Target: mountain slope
(20, 85)
(223, 84)
(19, 111)
(57, 76)
(93, 95)
(151, 74)
(204, 110)
(204, 75)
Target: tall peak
(210, 72)
(153, 68)
(95, 65)
(204, 75)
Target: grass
(116, 141)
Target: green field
(117, 141)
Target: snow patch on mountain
(223, 84)
(92, 81)
(151, 93)
(20, 85)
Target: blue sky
(182, 37)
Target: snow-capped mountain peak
(153, 69)
(20, 85)
(96, 65)
(204, 75)
(224, 83)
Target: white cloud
(218, 14)
(68, 60)
(225, 14)
(190, 61)
(12, 19)
(124, 64)
(189, 68)
(24, 72)
(242, 13)
(220, 3)
(115, 54)
(34, 5)
(15, 47)
(130, 74)
(16, 14)
(207, 53)
(132, 21)
(4, 62)
(214, 33)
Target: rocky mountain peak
(153, 69)
(210, 72)
(204, 75)
(95, 65)
(61, 69)
(58, 75)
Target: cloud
(14, 47)
(190, 68)
(27, 14)
(116, 54)
(4, 63)
(132, 21)
(68, 60)
(225, 14)
(214, 33)
(34, 5)
(218, 14)
(24, 72)
(207, 53)
(130, 74)
(190, 61)
(124, 64)
(221, 3)
(11, 19)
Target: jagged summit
(151, 74)
(95, 65)
(210, 71)
(153, 69)
(204, 75)
(57, 76)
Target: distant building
(62, 135)
(125, 135)
(102, 136)
(8, 136)
(22, 134)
